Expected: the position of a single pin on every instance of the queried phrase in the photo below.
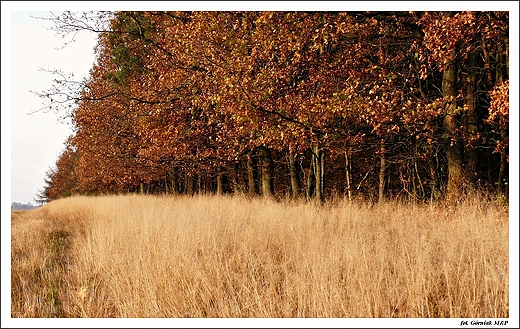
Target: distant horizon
(23, 206)
(29, 202)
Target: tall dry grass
(232, 257)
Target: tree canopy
(362, 104)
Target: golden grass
(138, 256)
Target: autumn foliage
(314, 104)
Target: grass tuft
(233, 257)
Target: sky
(31, 143)
(37, 137)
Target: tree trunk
(237, 181)
(173, 181)
(451, 127)
(220, 181)
(319, 170)
(503, 165)
(348, 175)
(414, 185)
(487, 64)
(309, 188)
(434, 174)
(502, 60)
(251, 176)
(419, 180)
(190, 184)
(471, 121)
(295, 179)
(323, 154)
(267, 172)
(382, 170)
(499, 59)
(201, 182)
(506, 55)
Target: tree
(329, 102)
(60, 181)
(453, 41)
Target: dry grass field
(139, 256)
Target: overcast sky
(38, 139)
